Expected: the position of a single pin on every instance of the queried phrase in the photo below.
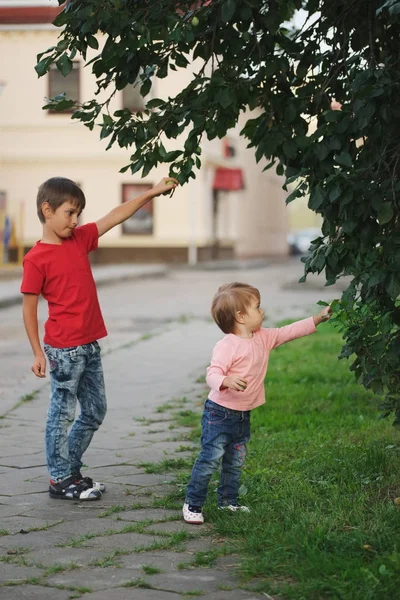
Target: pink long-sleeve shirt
(248, 359)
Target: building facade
(232, 209)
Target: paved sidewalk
(10, 281)
(132, 543)
(126, 540)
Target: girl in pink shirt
(236, 377)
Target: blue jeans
(225, 433)
(76, 374)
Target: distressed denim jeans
(76, 375)
(224, 436)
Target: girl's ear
(239, 317)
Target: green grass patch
(321, 477)
(166, 465)
(150, 570)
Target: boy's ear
(47, 211)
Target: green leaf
(290, 113)
(155, 103)
(228, 10)
(393, 286)
(290, 149)
(92, 42)
(224, 97)
(344, 159)
(43, 66)
(145, 88)
(385, 213)
(316, 198)
(64, 65)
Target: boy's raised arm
(124, 211)
(29, 311)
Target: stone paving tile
(82, 526)
(190, 580)
(126, 594)
(231, 561)
(122, 541)
(24, 461)
(65, 556)
(97, 578)
(12, 572)
(165, 560)
(35, 539)
(100, 473)
(35, 592)
(171, 527)
(17, 523)
(7, 510)
(25, 499)
(59, 510)
(199, 544)
(145, 479)
(142, 514)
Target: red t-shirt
(62, 274)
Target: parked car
(300, 241)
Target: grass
(321, 478)
(150, 570)
(166, 465)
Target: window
(132, 98)
(142, 221)
(58, 84)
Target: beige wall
(36, 145)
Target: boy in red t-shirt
(58, 268)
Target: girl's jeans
(76, 374)
(225, 433)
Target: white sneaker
(235, 507)
(192, 514)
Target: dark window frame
(148, 208)
(53, 69)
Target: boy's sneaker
(193, 514)
(72, 489)
(234, 508)
(96, 485)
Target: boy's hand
(235, 383)
(39, 366)
(165, 185)
(324, 315)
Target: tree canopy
(253, 59)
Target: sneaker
(72, 489)
(96, 485)
(193, 514)
(234, 508)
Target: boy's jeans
(225, 433)
(75, 374)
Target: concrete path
(133, 543)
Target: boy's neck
(49, 237)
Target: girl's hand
(235, 383)
(165, 185)
(324, 315)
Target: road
(136, 309)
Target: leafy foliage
(347, 160)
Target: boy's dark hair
(231, 298)
(56, 191)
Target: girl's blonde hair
(231, 298)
